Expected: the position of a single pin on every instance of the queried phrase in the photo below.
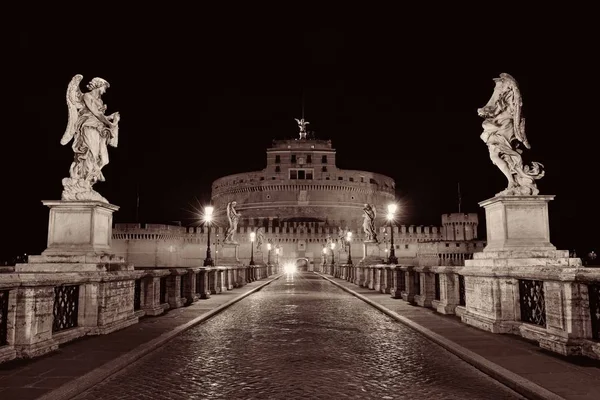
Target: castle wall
(174, 246)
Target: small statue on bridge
(92, 132)
(369, 223)
(302, 125)
(233, 216)
(260, 238)
(504, 134)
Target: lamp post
(277, 250)
(208, 214)
(349, 240)
(391, 216)
(252, 237)
(268, 253)
(324, 257)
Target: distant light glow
(289, 268)
(332, 245)
(277, 250)
(252, 236)
(269, 246)
(348, 236)
(324, 250)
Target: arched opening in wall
(302, 264)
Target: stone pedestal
(229, 254)
(79, 227)
(521, 284)
(517, 223)
(78, 256)
(371, 254)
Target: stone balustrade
(557, 307)
(40, 311)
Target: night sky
(203, 95)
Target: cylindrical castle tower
(301, 183)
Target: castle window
(262, 178)
(293, 159)
(309, 159)
(301, 174)
(277, 159)
(326, 178)
(351, 179)
(340, 178)
(406, 246)
(323, 159)
(362, 178)
(309, 174)
(324, 169)
(277, 169)
(293, 174)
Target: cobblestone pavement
(300, 337)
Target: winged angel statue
(504, 134)
(91, 132)
(370, 212)
(233, 216)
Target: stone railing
(40, 311)
(557, 307)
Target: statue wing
(74, 104)
(517, 103)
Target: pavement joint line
(97, 375)
(523, 386)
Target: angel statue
(260, 238)
(92, 132)
(233, 216)
(369, 223)
(302, 124)
(341, 240)
(504, 134)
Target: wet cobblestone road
(300, 338)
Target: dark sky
(203, 95)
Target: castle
(302, 201)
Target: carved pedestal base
(517, 223)
(228, 255)
(371, 254)
(79, 227)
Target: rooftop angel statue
(302, 125)
(369, 223)
(92, 132)
(504, 134)
(233, 216)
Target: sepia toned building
(301, 201)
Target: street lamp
(268, 253)
(332, 254)
(349, 240)
(277, 255)
(324, 256)
(391, 216)
(208, 215)
(252, 237)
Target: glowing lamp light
(392, 207)
(332, 245)
(324, 250)
(252, 236)
(208, 213)
(348, 236)
(269, 246)
(277, 250)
